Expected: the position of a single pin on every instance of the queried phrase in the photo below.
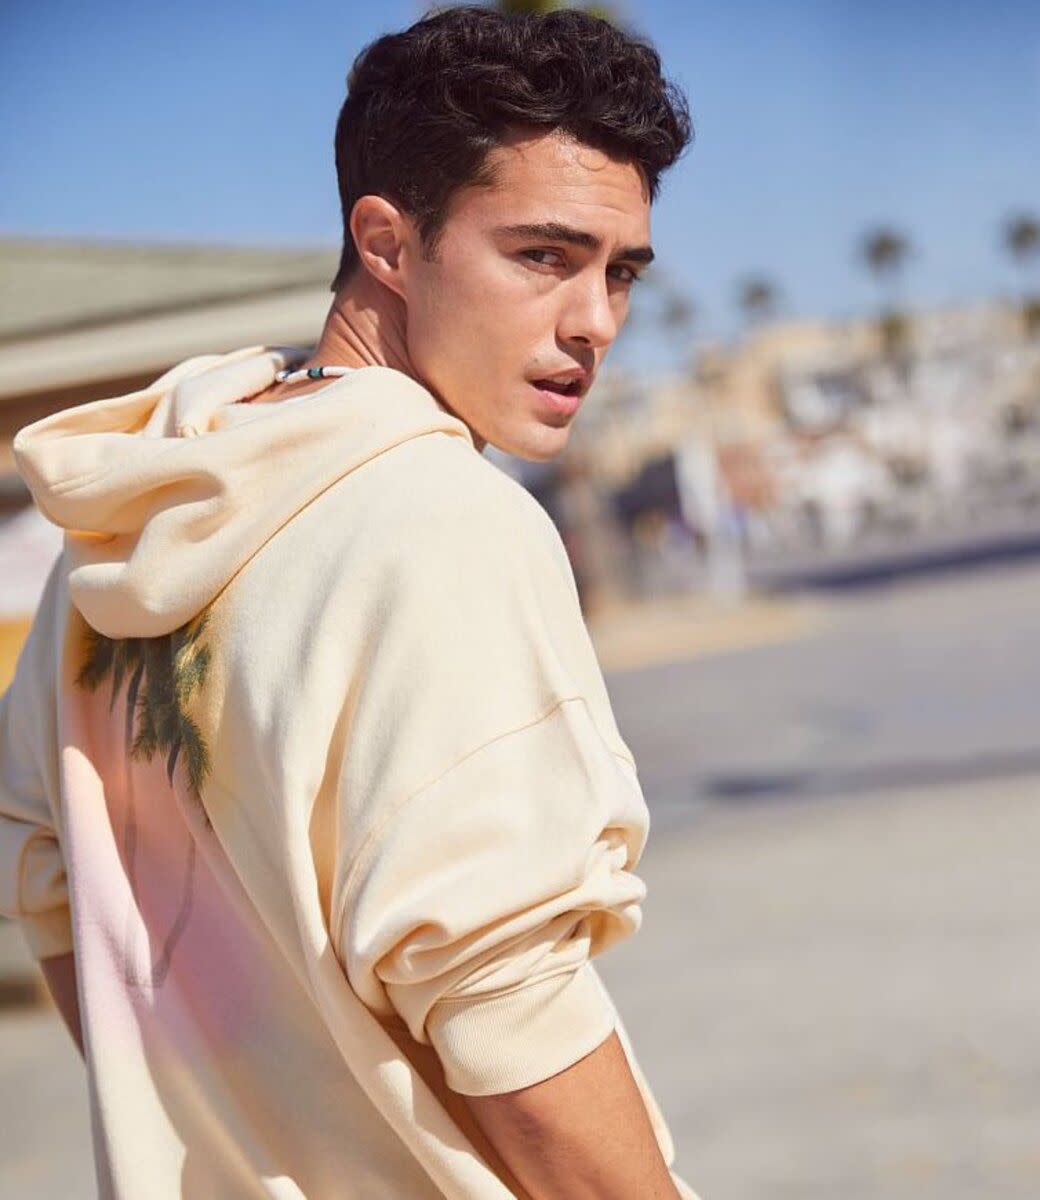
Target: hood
(166, 493)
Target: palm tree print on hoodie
(161, 675)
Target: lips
(561, 399)
(561, 386)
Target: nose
(587, 316)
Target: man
(313, 805)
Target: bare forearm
(584, 1134)
(60, 974)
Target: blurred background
(802, 505)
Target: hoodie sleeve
(474, 904)
(32, 870)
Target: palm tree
(523, 7)
(163, 673)
(757, 297)
(1022, 237)
(884, 251)
(1022, 241)
(677, 312)
(677, 315)
(534, 7)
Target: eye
(627, 275)
(541, 257)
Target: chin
(535, 443)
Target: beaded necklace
(290, 376)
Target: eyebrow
(555, 231)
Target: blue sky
(815, 119)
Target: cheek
(429, 329)
(467, 320)
(515, 312)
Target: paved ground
(842, 858)
(838, 999)
(632, 637)
(835, 990)
(44, 1131)
(908, 685)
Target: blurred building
(83, 320)
(807, 434)
(823, 435)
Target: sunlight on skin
(530, 276)
(493, 310)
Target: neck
(366, 327)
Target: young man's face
(529, 284)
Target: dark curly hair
(425, 106)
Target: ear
(381, 233)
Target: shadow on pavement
(763, 786)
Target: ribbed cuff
(496, 1045)
(48, 934)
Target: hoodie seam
(365, 850)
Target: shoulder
(474, 582)
(442, 506)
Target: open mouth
(562, 387)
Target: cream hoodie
(309, 761)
